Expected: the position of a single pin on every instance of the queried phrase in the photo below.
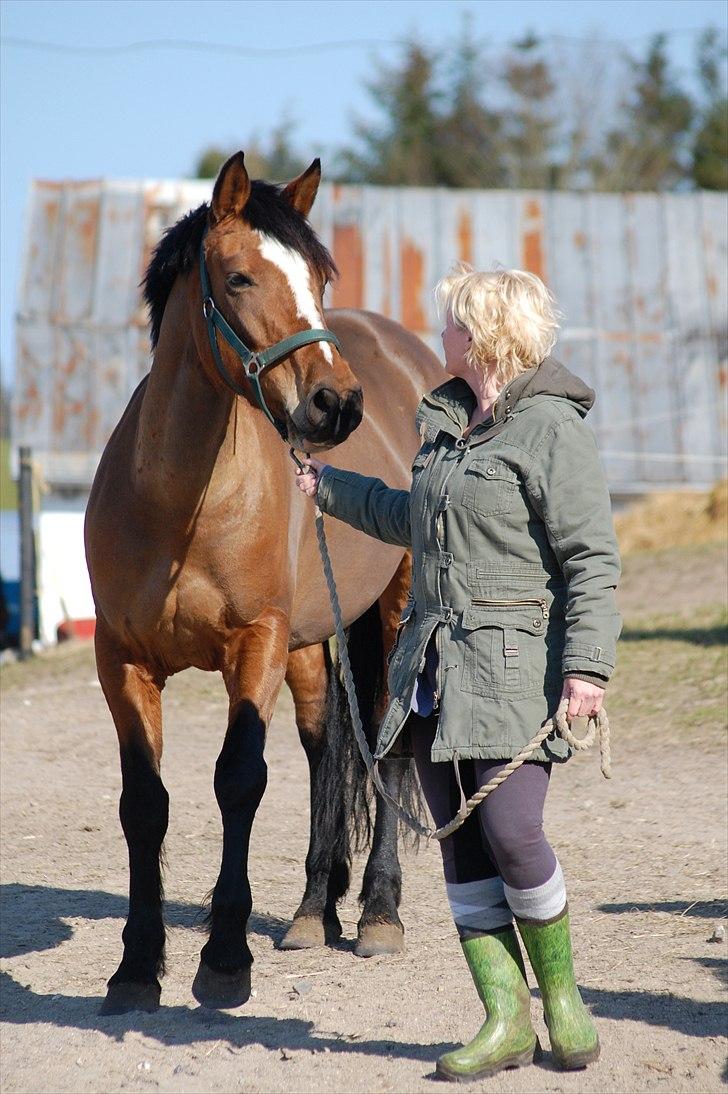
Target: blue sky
(147, 114)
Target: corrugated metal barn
(641, 279)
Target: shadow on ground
(697, 636)
(33, 920)
(185, 1025)
(31, 916)
(700, 909)
(179, 1025)
(717, 965)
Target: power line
(199, 47)
(190, 45)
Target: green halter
(254, 363)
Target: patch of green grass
(8, 489)
(671, 677)
(56, 665)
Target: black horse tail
(342, 814)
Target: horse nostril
(352, 409)
(331, 415)
(322, 407)
(326, 400)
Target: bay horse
(202, 552)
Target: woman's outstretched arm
(363, 502)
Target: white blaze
(295, 268)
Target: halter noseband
(254, 363)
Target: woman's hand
(584, 698)
(307, 480)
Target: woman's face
(455, 343)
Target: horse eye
(238, 281)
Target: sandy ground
(644, 856)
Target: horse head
(267, 273)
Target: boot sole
(521, 1060)
(577, 1060)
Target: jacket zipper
(438, 676)
(440, 538)
(514, 603)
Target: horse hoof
(125, 997)
(379, 938)
(307, 931)
(221, 990)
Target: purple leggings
(504, 835)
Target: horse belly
(363, 567)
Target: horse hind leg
(380, 929)
(314, 691)
(133, 694)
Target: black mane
(179, 248)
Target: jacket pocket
(505, 648)
(489, 486)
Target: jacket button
(490, 471)
(537, 622)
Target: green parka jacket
(515, 561)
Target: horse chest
(187, 613)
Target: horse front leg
(316, 922)
(254, 671)
(133, 694)
(380, 929)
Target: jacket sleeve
(367, 504)
(567, 487)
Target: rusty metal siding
(641, 279)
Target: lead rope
(597, 724)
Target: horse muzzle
(329, 416)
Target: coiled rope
(597, 724)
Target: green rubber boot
(506, 1038)
(574, 1039)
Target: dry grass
(671, 678)
(674, 519)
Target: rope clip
(294, 457)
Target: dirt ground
(644, 857)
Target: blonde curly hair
(510, 316)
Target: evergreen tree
(710, 147)
(648, 150)
(530, 123)
(470, 133)
(209, 161)
(274, 159)
(404, 149)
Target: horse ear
(232, 189)
(301, 192)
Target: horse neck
(186, 434)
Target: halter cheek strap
(253, 362)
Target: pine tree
(470, 132)
(273, 158)
(710, 147)
(648, 150)
(404, 149)
(530, 123)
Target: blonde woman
(515, 565)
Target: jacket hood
(453, 402)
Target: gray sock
(543, 903)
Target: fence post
(27, 554)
